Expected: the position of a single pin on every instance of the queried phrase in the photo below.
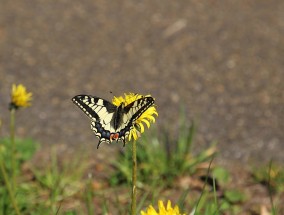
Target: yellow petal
(141, 127)
(151, 118)
(161, 206)
(169, 205)
(146, 122)
(133, 133)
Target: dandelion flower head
(20, 97)
(168, 210)
(145, 118)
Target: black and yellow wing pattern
(110, 122)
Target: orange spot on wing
(114, 136)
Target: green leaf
(225, 205)
(221, 174)
(234, 196)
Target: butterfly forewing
(94, 107)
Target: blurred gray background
(223, 60)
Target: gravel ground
(223, 60)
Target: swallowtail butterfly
(108, 121)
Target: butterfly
(110, 122)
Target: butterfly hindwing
(108, 121)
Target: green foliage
(272, 177)
(234, 196)
(221, 175)
(210, 204)
(59, 181)
(52, 183)
(89, 196)
(25, 151)
(158, 161)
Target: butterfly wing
(131, 113)
(101, 114)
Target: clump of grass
(25, 150)
(272, 177)
(159, 163)
(40, 189)
(59, 181)
(211, 202)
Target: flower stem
(134, 177)
(13, 147)
(10, 191)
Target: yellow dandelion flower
(162, 210)
(145, 118)
(20, 97)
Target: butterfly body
(108, 121)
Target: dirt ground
(221, 60)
